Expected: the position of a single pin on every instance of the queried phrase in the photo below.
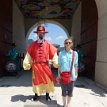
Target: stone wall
(101, 60)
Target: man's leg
(48, 97)
(35, 97)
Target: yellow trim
(55, 60)
(27, 62)
(43, 88)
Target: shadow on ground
(28, 100)
(85, 83)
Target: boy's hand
(76, 77)
(57, 79)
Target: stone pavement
(17, 92)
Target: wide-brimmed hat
(40, 29)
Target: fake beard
(40, 40)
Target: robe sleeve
(55, 60)
(30, 49)
(27, 63)
(52, 51)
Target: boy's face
(68, 44)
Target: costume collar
(40, 41)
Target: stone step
(41, 102)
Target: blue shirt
(64, 62)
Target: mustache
(41, 37)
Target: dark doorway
(89, 36)
(5, 31)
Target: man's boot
(48, 97)
(35, 97)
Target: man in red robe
(38, 55)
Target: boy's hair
(71, 38)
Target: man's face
(41, 35)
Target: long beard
(40, 40)
(41, 37)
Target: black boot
(48, 97)
(35, 97)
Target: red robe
(40, 54)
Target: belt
(40, 62)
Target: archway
(54, 28)
(47, 21)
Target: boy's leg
(70, 93)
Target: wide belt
(40, 62)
